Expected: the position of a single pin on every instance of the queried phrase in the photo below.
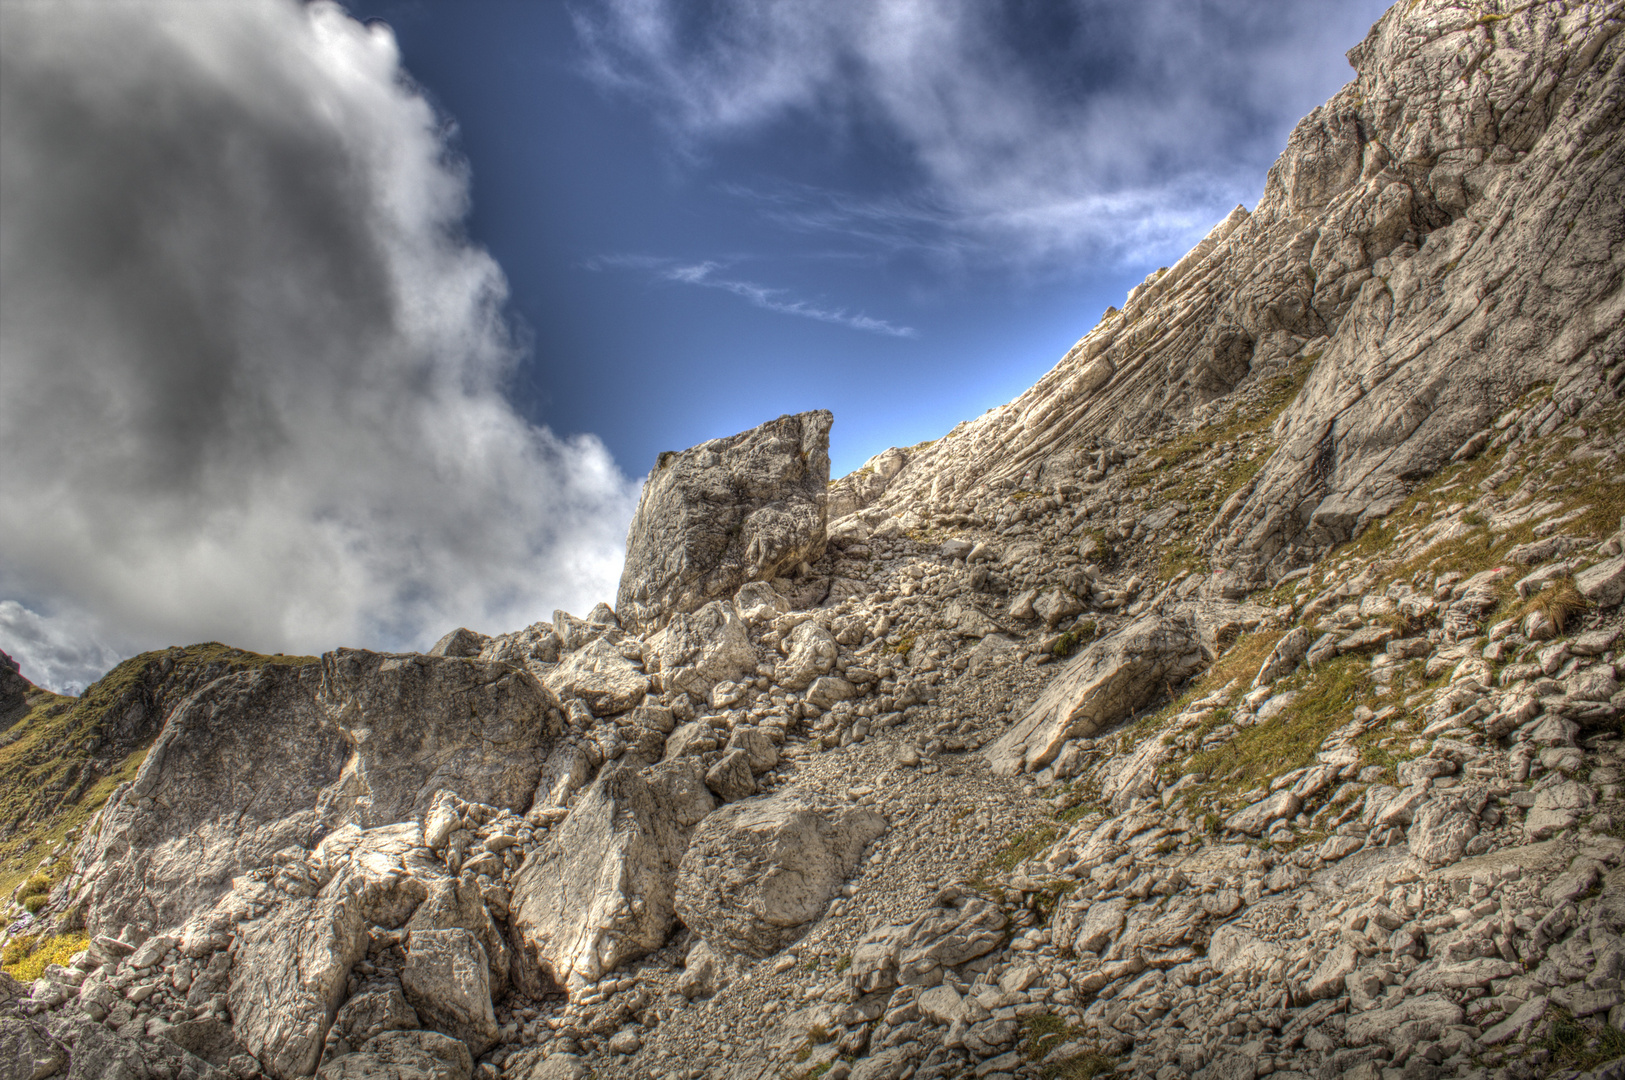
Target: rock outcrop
(750, 507)
(1066, 748)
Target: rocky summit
(1241, 700)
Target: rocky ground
(1243, 700)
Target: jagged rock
(446, 979)
(811, 653)
(289, 975)
(28, 1051)
(600, 892)
(1284, 659)
(1102, 684)
(1441, 830)
(699, 650)
(748, 507)
(404, 1055)
(757, 872)
(704, 971)
(960, 926)
(1254, 820)
(731, 777)
(373, 1012)
(828, 690)
(1603, 584)
(455, 903)
(460, 642)
(606, 681)
(264, 759)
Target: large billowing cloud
(253, 374)
(1044, 132)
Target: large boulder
(601, 891)
(455, 904)
(268, 758)
(696, 651)
(757, 872)
(747, 507)
(404, 1055)
(445, 978)
(290, 972)
(605, 680)
(1101, 685)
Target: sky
(331, 326)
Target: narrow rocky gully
(1242, 700)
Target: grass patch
(1085, 1066)
(54, 767)
(1560, 601)
(1327, 695)
(903, 645)
(1083, 632)
(1570, 1042)
(1019, 848)
(25, 959)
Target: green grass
(1017, 849)
(1569, 1042)
(1327, 695)
(25, 959)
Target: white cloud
(254, 373)
(704, 275)
(1038, 133)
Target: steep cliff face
(1440, 236)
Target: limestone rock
(460, 642)
(373, 1012)
(699, 650)
(289, 975)
(1603, 584)
(731, 777)
(455, 903)
(446, 980)
(1102, 684)
(601, 891)
(1441, 830)
(607, 682)
(404, 1055)
(811, 652)
(748, 507)
(264, 759)
(757, 872)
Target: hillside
(1241, 700)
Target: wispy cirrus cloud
(707, 275)
(1029, 134)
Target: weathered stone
(1603, 584)
(446, 979)
(1104, 683)
(404, 1055)
(698, 650)
(811, 652)
(373, 1012)
(748, 507)
(1255, 819)
(731, 777)
(605, 681)
(289, 974)
(1284, 659)
(756, 873)
(1441, 830)
(460, 642)
(828, 690)
(600, 892)
(455, 903)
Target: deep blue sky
(595, 173)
